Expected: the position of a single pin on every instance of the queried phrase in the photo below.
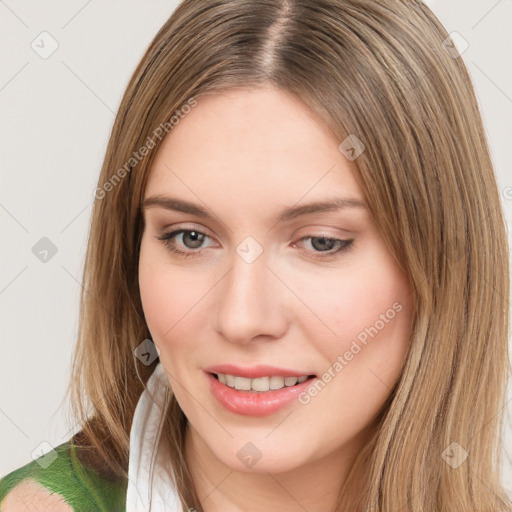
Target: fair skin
(245, 156)
(30, 496)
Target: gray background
(56, 117)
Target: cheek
(370, 306)
(363, 299)
(165, 298)
(369, 313)
(174, 300)
(364, 360)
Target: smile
(272, 394)
(260, 384)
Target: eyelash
(167, 239)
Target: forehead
(253, 148)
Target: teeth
(260, 384)
(242, 383)
(276, 382)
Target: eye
(190, 238)
(323, 246)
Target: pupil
(196, 239)
(325, 243)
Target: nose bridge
(248, 303)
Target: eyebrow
(179, 205)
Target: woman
(296, 279)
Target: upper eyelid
(166, 235)
(196, 227)
(188, 227)
(180, 230)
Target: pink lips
(249, 403)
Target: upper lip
(253, 372)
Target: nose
(251, 302)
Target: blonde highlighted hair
(381, 71)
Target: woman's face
(262, 280)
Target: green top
(61, 472)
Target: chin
(259, 457)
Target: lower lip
(249, 403)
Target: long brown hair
(382, 71)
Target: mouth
(259, 396)
(260, 384)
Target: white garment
(150, 488)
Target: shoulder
(32, 496)
(60, 481)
